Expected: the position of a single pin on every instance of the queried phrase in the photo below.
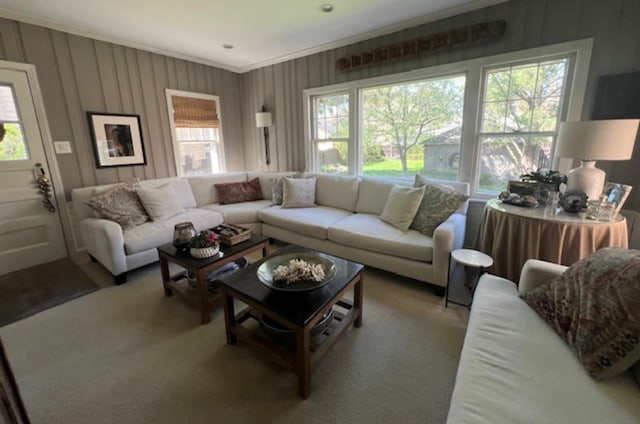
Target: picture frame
(617, 194)
(117, 139)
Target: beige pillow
(437, 205)
(594, 306)
(401, 207)
(119, 204)
(160, 203)
(298, 192)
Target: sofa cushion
(312, 222)
(160, 203)
(298, 192)
(119, 204)
(153, 234)
(240, 213)
(338, 191)
(373, 194)
(180, 186)
(203, 187)
(437, 205)
(367, 232)
(401, 206)
(242, 191)
(595, 307)
(266, 179)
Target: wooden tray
(231, 234)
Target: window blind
(190, 112)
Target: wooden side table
(471, 258)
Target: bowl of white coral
(297, 271)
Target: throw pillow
(298, 192)
(438, 203)
(277, 188)
(595, 307)
(244, 191)
(161, 202)
(119, 204)
(401, 207)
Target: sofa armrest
(536, 272)
(447, 237)
(104, 241)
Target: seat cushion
(240, 213)
(153, 234)
(312, 222)
(368, 232)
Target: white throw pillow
(298, 192)
(401, 207)
(161, 202)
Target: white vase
(204, 252)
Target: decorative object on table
(204, 245)
(521, 188)
(617, 194)
(545, 182)
(573, 201)
(214, 277)
(117, 139)
(518, 200)
(284, 335)
(264, 121)
(594, 140)
(296, 271)
(182, 235)
(600, 210)
(231, 234)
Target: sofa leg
(93, 259)
(439, 291)
(120, 279)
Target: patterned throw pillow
(438, 203)
(239, 192)
(120, 204)
(277, 188)
(402, 205)
(595, 307)
(299, 192)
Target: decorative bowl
(204, 252)
(265, 271)
(282, 334)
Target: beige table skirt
(511, 239)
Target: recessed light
(227, 46)
(326, 7)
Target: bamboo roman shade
(191, 112)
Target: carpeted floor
(127, 354)
(31, 290)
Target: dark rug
(31, 290)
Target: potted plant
(204, 245)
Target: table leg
(446, 290)
(164, 269)
(357, 300)
(205, 313)
(266, 249)
(303, 354)
(229, 316)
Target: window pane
(494, 115)
(518, 116)
(506, 158)
(413, 128)
(332, 157)
(13, 146)
(199, 158)
(545, 115)
(498, 85)
(331, 117)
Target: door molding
(49, 151)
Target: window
(13, 146)
(196, 132)
(484, 121)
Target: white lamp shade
(263, 119)
(610, 139)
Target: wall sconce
(264, 121)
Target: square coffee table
(296, 311)
(200, 268)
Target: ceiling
(261, 32)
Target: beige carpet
(127, 354)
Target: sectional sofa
(344, 222)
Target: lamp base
(587, 178)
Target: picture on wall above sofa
(117, 139)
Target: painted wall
(79, 74)
(530, 23)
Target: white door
(30, 230)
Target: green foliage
(12, 146)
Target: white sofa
(344, 223)
(514, 368)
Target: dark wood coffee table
(200, 268)
(297, 311)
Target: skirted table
(512, 234)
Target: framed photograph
(617, 194)
(117, 139)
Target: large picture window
(330, 132)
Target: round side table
(473, 259)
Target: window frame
(175, 143)
(474, 69)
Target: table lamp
(264, 121)
(610, 139)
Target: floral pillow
(239, 192)
(438, 203)
(595, 307)
(120, 204)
